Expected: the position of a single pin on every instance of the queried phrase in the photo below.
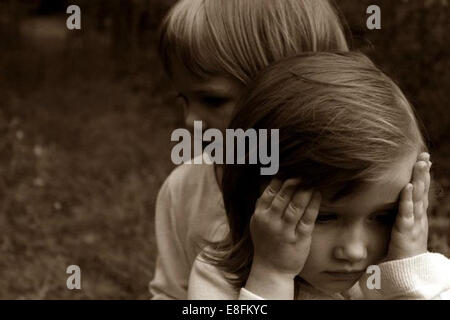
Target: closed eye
(213, 101)
(182, 99)
(386, 217)
(326, 217)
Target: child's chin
(337, 286)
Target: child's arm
(172, 270)
(409, 271)
(207, 282)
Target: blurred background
(85, 123)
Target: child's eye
(214, 101)
(385, 218)
(326, 217)
(182, 99)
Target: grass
(83, 151)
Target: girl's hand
(281, 228)
(410, 232)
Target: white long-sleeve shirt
(426, 276)
(189, 208)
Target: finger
(423, 206)
(283, 197)
(427, 188)
(419, 180)
(269, 193)
(418, 210)
(405, 216)
(306, 224)
(424, 156)
(297, 207)
(425, 178)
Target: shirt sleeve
(207, 282)
(172, 267)
(424, 277)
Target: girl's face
(209, 100)
(353, 232)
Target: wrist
(400, 255)
(262, 267)
(269, 283)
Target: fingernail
(409, 187)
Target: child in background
(212, 49)
(357, 178)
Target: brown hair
(342, 123)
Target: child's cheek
(379, 244)
(321, 249)
(320, 256)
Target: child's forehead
(180, 69)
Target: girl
(349, 145)
(211, 50)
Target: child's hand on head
(282, 225)
(410, 232)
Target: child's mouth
(345, 275)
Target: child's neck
(218, 174)
(305, 290)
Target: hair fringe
(239, 38)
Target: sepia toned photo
(224, 150)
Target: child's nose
(190, 116)
(352, 246)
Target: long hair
(239, 38)
(342, 124)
